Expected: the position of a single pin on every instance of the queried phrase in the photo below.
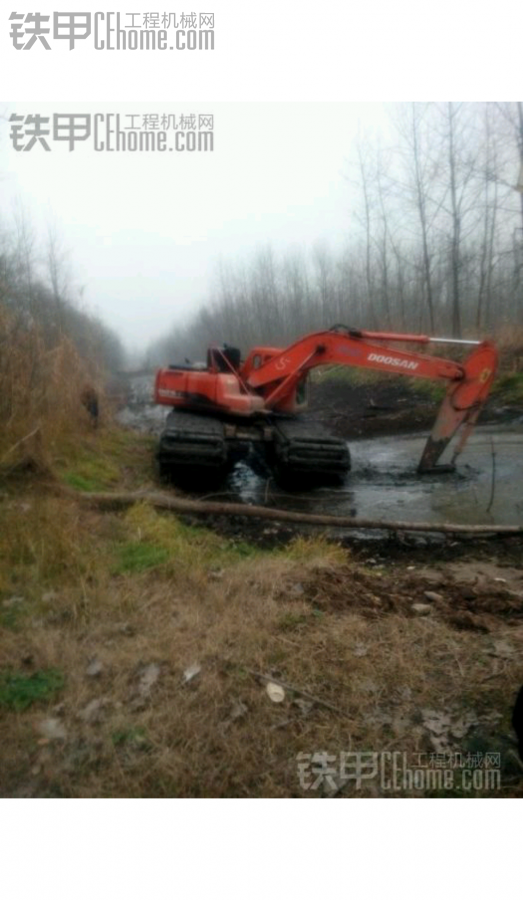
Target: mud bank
(393, 406)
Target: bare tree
(365, 218)
(57, 271)
(490, 202)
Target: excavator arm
(469, 381)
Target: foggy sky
(146, 231)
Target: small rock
(216, 574)
(297, 590)
(94, 668)
(92, 712)
(433, 596)
(503, 649)
(435, 721)
(369, 687)
(360, 650)
(148, 677)
(305, 706)
(379, 717)
(275, 692)
(436, 579)
(191, 672)
(238, 711)
(421, 609)
(59, 617)
(463, 724)
(405, 693)
(52, 730)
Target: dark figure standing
(89, 399)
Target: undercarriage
(197, 448)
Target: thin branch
(21, 441)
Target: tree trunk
(456, 231)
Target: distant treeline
(434, 242)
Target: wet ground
(486, 488)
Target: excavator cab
(223, 359)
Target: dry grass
(143, 590)
(40, 391)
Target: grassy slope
(145, 596)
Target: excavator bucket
(461, 406)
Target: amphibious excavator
(229, 409)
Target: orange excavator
(228, 409)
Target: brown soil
(478, 606)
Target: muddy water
(383, 483)
(487, 487)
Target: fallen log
(119, 500)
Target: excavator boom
(469, 382)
